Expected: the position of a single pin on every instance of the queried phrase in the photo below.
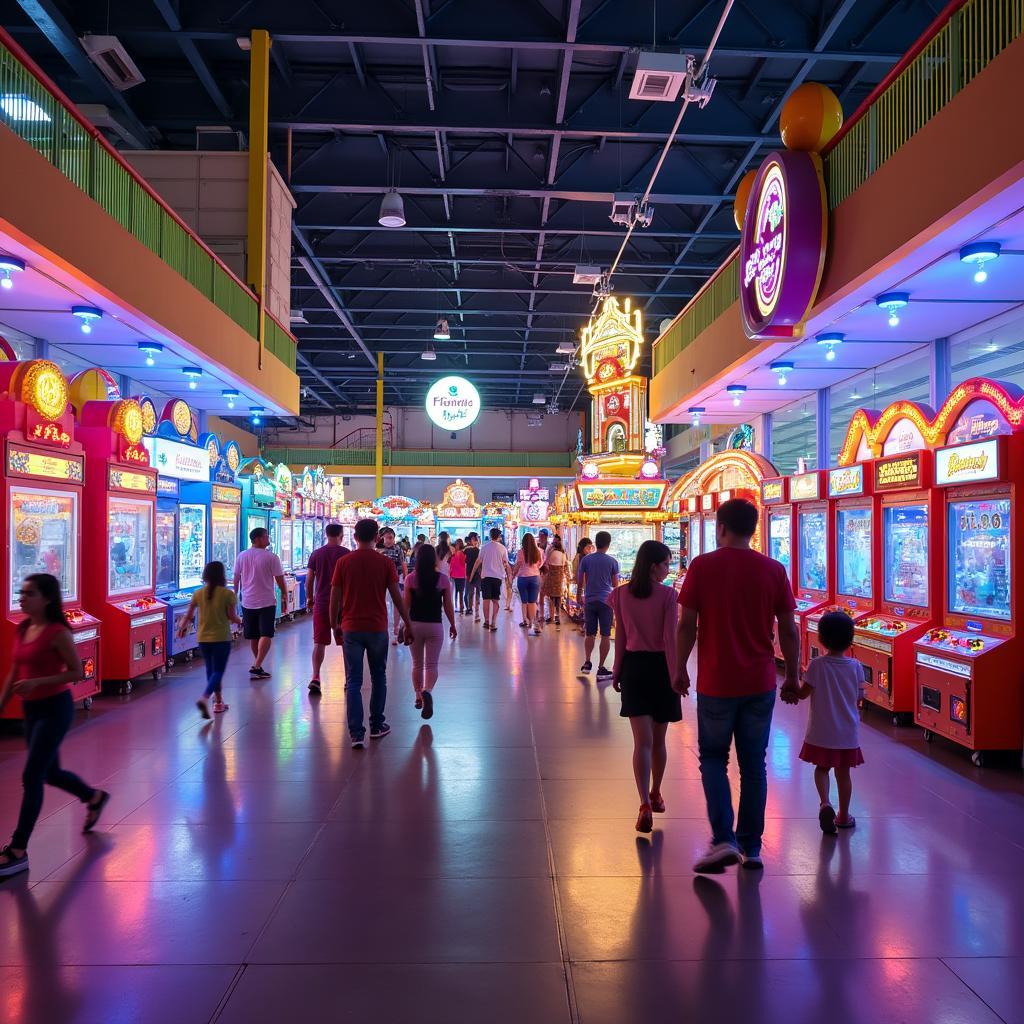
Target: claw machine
(778, 513)
(43, 476)
(287, 518)
(119, 564)
(814, 573)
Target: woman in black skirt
(645, 648)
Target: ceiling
(505, 125)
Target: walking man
(318, 597)
(359, 609)
(257, 569)
(492, 567)
(542, 546)
(731, 600)
(598, 577)
(472, 601)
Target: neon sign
(453, 403)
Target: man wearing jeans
(359, 609)
(729, 603)
(598, 577)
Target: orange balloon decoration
(810, 118)
(739, 204)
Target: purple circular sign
(782, 249)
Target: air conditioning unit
(107, 53)
(659, 77)
(623, 206)
(298, 316)
(558, 367)
(565, 348)
(584, 274)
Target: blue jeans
(215, 657)
(375, 647)
(529, 588)
(747, 720)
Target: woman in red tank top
(43, 662)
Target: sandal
(418, 703)
(219, 707)
(848, 822)
(645, 823)
(95, 810)
(827, 819)
(657, 803)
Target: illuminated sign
(900, 472)
(167, 487)
(782, 248)
(182, 461)
(979, 419)
(773, 491)
(645, 496)
(49, 433)
(126, 480)
(227, 495)
(707, 502)
(44, 388)
(453, 403)
(846, 481)
(905, 436)
(55, 467)
(968, 463)
(263, 491)
(610, 345)
(806, 487)
(133, 453)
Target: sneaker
(93, 811)
(558, 621)
(314, 687)
(418, 702)
(254, 671)
(535, 631)
(717, 858)
(586, 667)
(604, 673)
(827, 820)
(752, 862)
(14, 864)
(259, 673)
(522, 625)
(204, 708)
(219, 707)
(380, 732)
(428, 705)
(358, 743)
(476, 618)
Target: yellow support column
(380, 426)
(259, 110)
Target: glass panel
(779, 539)
(297, 544)
(130, 534)
(672, 535)
(905, 573)
(275, 534)
(307, 543)
(853, 537)
(694, 539)
(998, 353)
(709, 530)
(254, 521)
(166, 556)
(979, 558)
(795, 436)
(626, 541)
(44, 525)
(191, 545)
(813, 537)
(224, 534)
(286, 544)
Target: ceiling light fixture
(255, 412)
(539, 399)
(150, 349)
(231, 395)
(565, 348)
(428, 354)
(441, 332)
(695, 412)
(782, 369)
(891, 302)
(831, 342)
(193, 373)
(87, 314)
(737, 391)
(978, 254)
(9, 265)
(392, 210)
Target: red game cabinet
(778, 528)
(814, 566)
(120, 505)
(43, 477)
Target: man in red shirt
(360, 583)
(729, 603)
(318, 597)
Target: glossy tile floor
(484, 867)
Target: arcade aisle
(484, 866)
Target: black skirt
(647, 687)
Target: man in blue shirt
(598, 577)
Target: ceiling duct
(659, 77)
(107, 53)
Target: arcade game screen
(307, 542)
(709, 534)
(813, 535)
(166, 531)
(779, 539)
(694, 540)
(43, 529)
(224, 534)
(626, 541)
(191, 544)
(130, 532)
(275, 535)
(671, 539)
(253, 521)
(979, 558)
(286, 543)
(853, 526)
(905, 540)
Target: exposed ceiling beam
(469, 229)
(563, 194)
(583, 293)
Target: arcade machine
(182, 521)
(459, 513)
(690, 523)
(813, 565)
(778, 514)
(708, 522)
(225, 502)
(304, 508)
(855, 581)
(968, 674)
(534, 510)
(283, 485)
(118, 580)
(43, 476)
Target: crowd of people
(733, 603)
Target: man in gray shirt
(598, 577)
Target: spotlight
(193, 373)
(891, 302)
(231, 395)
(831, 343)
(255, 412)
(978, 254)
(9, 265)
(782, 368)
(539, 399)
(737, 391)
(428, 354)
(441, 332)
(695, 413)
(150, 349)
(392, 210)
(87, 314)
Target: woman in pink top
(457, 574)
(645, 647)
(527, 577)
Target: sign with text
(642, 496)
(979, 420)
(22, 462)
(167, 487)
(263, 491)
(453, 403)
(227, 495)
(846, 482)
(773, 491)
(968, 463)
(805, 487)
(899, 473)
(126, 480)
(182, 461)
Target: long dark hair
(214, 576)
(49, 589)
(444, 549)
(585, 542)
(531, 553)
(426, 568)
(651, 553)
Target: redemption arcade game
(277, 516)
(459, 513)
(778, 513)
(43, 476)
(118, 580)
(814, 573)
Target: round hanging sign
(453, 403)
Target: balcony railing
(37, 112)
(560, 462)
(961, 43)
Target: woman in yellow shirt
(216, 606)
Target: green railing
(562, 462)
(946, 60)
(42, 118)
